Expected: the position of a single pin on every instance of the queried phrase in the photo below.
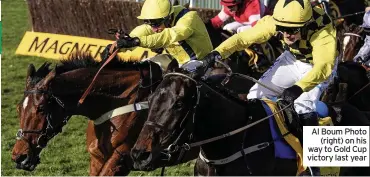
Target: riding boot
(310, 119)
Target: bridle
(174, 147)
(50, 131)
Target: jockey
(363, 56)
(302, 72)
(246, 13)
(179, 31)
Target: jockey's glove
(210, 59)
(292, 93)
(128, 42)
(105, 54)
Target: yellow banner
(57, 46)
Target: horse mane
(80, 60)
(228, 93)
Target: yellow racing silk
(317, 45)
(187, 39)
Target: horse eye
(41, 108)
(179, 104)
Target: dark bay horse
(51, 96)
(183, 110)
(186, 112)
(350, 85)
(350, 94)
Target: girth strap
(235, 156)
(120, 111)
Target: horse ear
(31, 70)
(49, 77)
(30, 73)
(174, 64)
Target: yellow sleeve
(324, 54)
(260, 33)
(141, 30)
(181, 31)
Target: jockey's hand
(210, 59)
(105, 54)
(128, 42)
(292, 93)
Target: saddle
(292, 119)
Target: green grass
(66, 154)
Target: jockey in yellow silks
(181, 32)
(303, 71)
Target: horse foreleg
(96, 157)
(119, 164)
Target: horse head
(178, 111)
(39, 120)
(171, 107)
(51, 97)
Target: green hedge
(89, 18)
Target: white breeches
(236, 27)
(285, 72)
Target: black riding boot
(310, 119)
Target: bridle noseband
(50, 131)
(174, 147)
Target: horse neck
(217, 115)
(111, 89)
(355, 76)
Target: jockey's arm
(181, 31)
(260, 33)
(324, 54)
(141, 30)
(219, 19)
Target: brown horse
(350, 38)
(51, 97)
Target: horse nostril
(21, 158)
(140, 155)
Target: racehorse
(350, 85)
(51, 97)
(186, 112)
(183, 110)
(351, 92)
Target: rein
(353, 34)
(82, 99)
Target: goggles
(155, 23)
(289, 30)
